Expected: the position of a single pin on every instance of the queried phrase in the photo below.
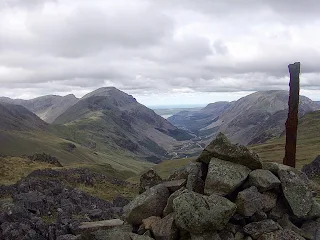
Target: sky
(163, 52)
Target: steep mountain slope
(16, 117)
(48, 108)
(109, 118)
(195, 120)
(308, 143)
(24, 133)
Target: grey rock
(275, 167)
(139, 237)
(206, 236)
(259, 216)
(315, 210)
(264, 180)
(285, 223)
(256, 229)
(197, 213)
(281, 235)
(169, 207)
(183, 172)
(312, 169)
(249, 201)
(175, 185)
(165, 229)
(148, 180)
(278, 211)
(269, 201)
(224, 177)
(150, 203)
(295, 187)
(195, 183)
(223, 149)
(239, 236)
(311, 230)
(225, 235)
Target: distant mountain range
(106, 120)
(250, 120)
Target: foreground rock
(148, 180)
(223, 149)
(94, 226)
(312, 169)
(256, 229)
(150, 203)
(264, 180)
(224, 177)
(296, 190)
(196, 213)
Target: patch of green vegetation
(308, 142)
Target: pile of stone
(226, 194)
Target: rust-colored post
(292, 121)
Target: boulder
(165, 229)
(148, 180)
(311, 230)
(195, 183)
(275, 167)
(269, 201)
(224, 177)
(256, 229)
(295, 187)
(175, 185)
(223, 149)
(284, 234)
(99, 225)
(249, 201)
(196, 213)
(183, 172)
(150, 203)
(264, 180)
(169, 207)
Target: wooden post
(292, 121)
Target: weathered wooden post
(292, 121)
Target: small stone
(239, 236)
(269, 201)
(175, 185)
(165, 228)
(259, 216)
(148, 222)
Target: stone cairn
(226, 194)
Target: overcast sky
(161, 51)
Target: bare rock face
(295, 187)
(223, 149)
(224, 177)
(197, 213)
(249, 201)
(150, 203)
(148, 180)
(264, 180)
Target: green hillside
(308, 143)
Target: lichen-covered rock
(169, 207)
(264, 180)
(284, 234)
(175, 185)
(148, 180)
(275, 167)
(150, 203)
(223, 149)
(256, 229)
(224, 177)
(312, 169)
(295, 187)
(196, 213)
(165, 229)
(249, 201)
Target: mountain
(16, 117)
(193, 121)
(108, 118)
(48, 108)
(250, 120)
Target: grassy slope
(28, 143)
(308, 143)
